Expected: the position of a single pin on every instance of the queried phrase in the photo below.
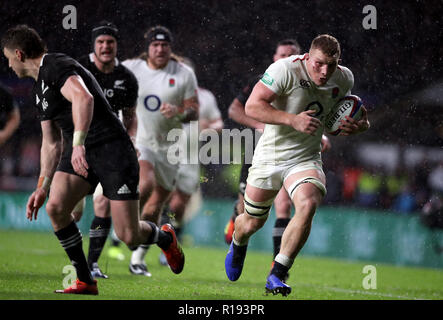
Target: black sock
(239, 253)
(277, 233)
(165, 217)
(98, 234)
(161, 238)
(71, 240)
(279, 270)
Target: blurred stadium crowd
(230, 41)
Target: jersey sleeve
(190, 87)
(349, 80)
(129, 64)
(208, 107)
(246, 91)
(59, 71)
(277, 77)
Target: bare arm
(187, 112)
(49, 158)
(76, 92)
(130, 122)
(216, 124)
(237, 113)
(351, 126)
(11, 125)
(259, 108)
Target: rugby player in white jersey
(188, 175)
(282, 202)
(292, 98)
(167, 97)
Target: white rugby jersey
(172, 84)
(208, 110)
(296, 92)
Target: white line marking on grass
(350, 291)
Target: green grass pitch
(31, 267)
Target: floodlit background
(378, 182)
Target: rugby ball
(346, 106)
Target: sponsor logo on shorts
(124, 190)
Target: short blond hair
(327, 44)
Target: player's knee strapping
(256, 209)
(315, 181)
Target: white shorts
(165, 172)
(188, 178)
(272, 177)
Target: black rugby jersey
(55, 69)
(119, 86)
(247, 90)
(6, 106)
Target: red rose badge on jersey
(171, 82)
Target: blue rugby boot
(234, 261)
(275, 286)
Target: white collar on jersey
(91, 58)
(41, 61)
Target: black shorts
(113, 164)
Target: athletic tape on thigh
(258, 209)
(315, 181)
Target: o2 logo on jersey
(318, 108)
(315, 106)
(152, 103)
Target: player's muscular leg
(102, 206)
(282, 204)
(178, 203)
(245, 224)
(147, 180)
(126, 223)
(153, 207)
(66, 191)
(77, 212)
(240, 203)
(307, 197)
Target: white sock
(138, 255)
(284, 260)
(243, 243)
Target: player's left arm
(216, 124)
(130, 122)
(188, 111)
(76, 92)
(350, 126)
